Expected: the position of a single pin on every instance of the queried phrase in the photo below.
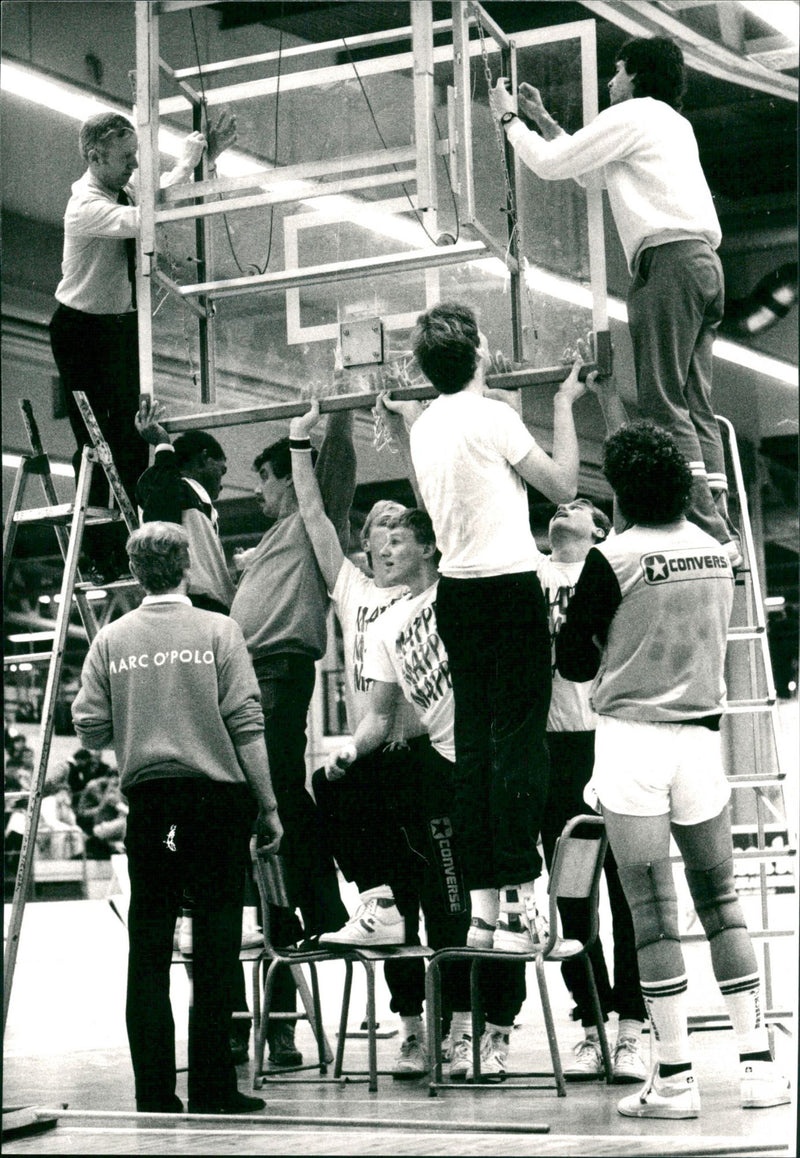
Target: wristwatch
(506, 117)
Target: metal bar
(281, 197)
(508, 66)
(363, 41)
(205, 332)
(594, 198)
(185, 88)
(277, 174)
(491, 26)
(173, 287)
(341, 271)
(31, 657)
(103, 456)
(462, 113)
(147, 119)
(10, 527)
(424, 124)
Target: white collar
(200, 489)
(169, 598)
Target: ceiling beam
(699, 52)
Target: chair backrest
(577, 864)
(268, 873)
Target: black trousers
(184, 834)
(99, 354)
(389, 821)
(571, 761)
(498, 644)
(287, 684)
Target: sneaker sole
(627, 1079)
(376, 943)
(657, 1112)
(767, 1103)
(511, 943)
(577, 1076)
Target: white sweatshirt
(645, 154)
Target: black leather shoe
(239, 1051)
(171, 1106)
(237, 1103)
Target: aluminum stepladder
(750, 730)
(68, 521)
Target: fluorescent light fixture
(61, 469)
(774, 603)
(783, 15)
(31, 636)
(62, 97)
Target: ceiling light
(62, 97)
(784, 17)
(30, 636)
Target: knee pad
(650, 893)
(715, 898)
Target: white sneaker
(376, 921)
(587, 1061)
(675, 1097)
(460, 1058)
(520, 928)
(763, 1085)
(412, 1060)
(494, 1055)
(185, 937)
(447, 1047)
(628, 1065)
(479, 934)
(253, 939)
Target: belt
(119, 318)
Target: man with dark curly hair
(648, 622)
(645, 154)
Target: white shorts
(646, 769)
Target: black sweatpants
(571, 762)
(192, 834)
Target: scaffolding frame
(195, 201)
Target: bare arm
(320, 529)
(373, 730)
(398, 418)
(557, 477)
(609, 398)
(530, 101)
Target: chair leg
(372, 1043)
(311, 1004)
(433, 1003)
(544, 996)
(599, 1020)
(475, 1005)
(348, 985)
(263, 1025)
(322, 1046)
(256, 997)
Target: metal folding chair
(575, 875)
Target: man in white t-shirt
(407, 663)
(645, 154)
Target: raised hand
(302, 426)
(221, 134)
(500, 99)
(148, 421)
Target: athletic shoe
(763, 1085)
(447, 1047)
(628, 1065)
(520, 928)
(376, 921)
(494, 1055)
(236, 1103)
(460, 1058)
(254, 939)
(479, 935)
(172, 1105)
(185, 938)
(587, 1062)
(282, 1050)
(411, 1061)
(674, 1097)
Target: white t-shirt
(404, 648)
(570, 710)
(359, 603)
(464, 447)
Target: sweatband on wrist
(299, 444)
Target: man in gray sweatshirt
(173, 688)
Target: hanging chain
(515, 233)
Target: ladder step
(62, 514)
(31, 657)
(739, 707)
(737, 633)
(755, 781)
(115, 585)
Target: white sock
(667, 1007)
(743, 1001)
(504, 1029)
(460, 1025)
(250, 919)
(484, 904)
(412, 1027)
(629, 1027)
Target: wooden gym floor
(65, 1045)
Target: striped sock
(742, 997)
(666, 1007)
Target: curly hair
(445, 342)
(648, 474)
(159, 556)
(656, 65)
(191, 445)
(96, 132)
(279, 456)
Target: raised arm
(320, 529)
(557, 476)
